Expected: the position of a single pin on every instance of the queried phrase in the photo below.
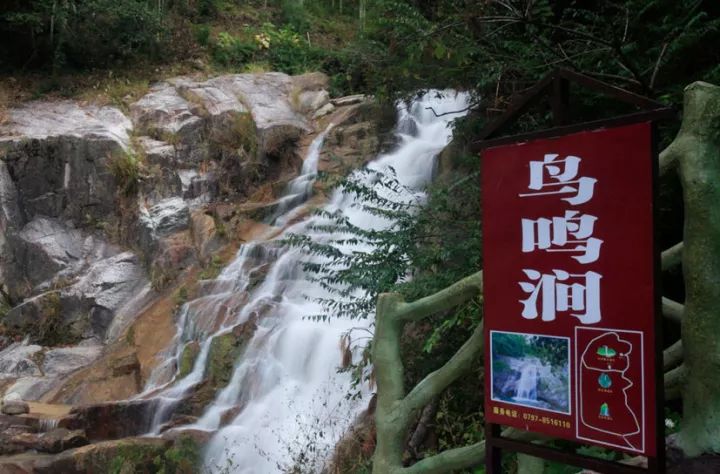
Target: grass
(125, 167)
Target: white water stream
(527, 384)
(286, 388)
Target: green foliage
(125, 168)
(78, 33)
(183, 458)
(202, 34)
(500, 48)
(213, 268)
(511, 345)
(51, 330)
(230, 50)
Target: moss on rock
(224, 351)
(187, 358)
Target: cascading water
(527, 384)
(285, 388)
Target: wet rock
(114, 420)
(84, 309)
(40, 317)
(178, 420)
(14, 407)
(55, 441)
(198, 398)
(225, 350)
(122, 456)
(408, 126)
(229, 415)
(199, 437)
(126, 365)
(174, 253)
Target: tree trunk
(697, 148)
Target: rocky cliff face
(108, 216)
(96, 203)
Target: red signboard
(569, 270)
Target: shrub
(230, 50)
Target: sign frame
(557, 83)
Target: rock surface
(95, 206)
(14, 407)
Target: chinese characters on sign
(569, 286)
(561, 291)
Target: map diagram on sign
(610, 406)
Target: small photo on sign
(531, 370)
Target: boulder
(15, 407)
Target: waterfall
(286, 396)
(527, 384)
